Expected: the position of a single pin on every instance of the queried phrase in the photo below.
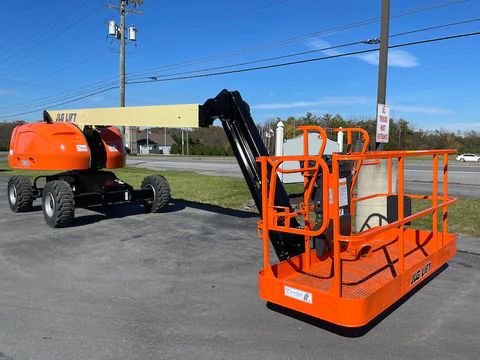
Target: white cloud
(396, 58)
(428, 110)
(326, 101)
(4, 91)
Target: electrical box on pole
(112, 28)
(132, 33)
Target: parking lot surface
(121, 284)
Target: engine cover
(63, 146)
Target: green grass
(451, 157)
(464, 217)
(215, 190)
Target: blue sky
(54, 47)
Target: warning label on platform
(342, 192)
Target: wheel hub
(12, 194)
(49, 205)
(154, 194)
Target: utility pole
(182, 141)
(383, 58)
(123, 4)
(119, 33)
(374, 179)
(165, 141)
(148, 145)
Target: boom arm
(172, 116)
(247, 145)
(233, 112)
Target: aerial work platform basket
(356, 275)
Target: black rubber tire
(161, 191)
(20, 194)
(462, 160)
(58, 204)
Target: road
(464, 179)
(183, 285)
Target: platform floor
(364, 276)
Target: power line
(71, 95)
(372, 41)
(52, 74)
(64, 103)
(81, 90)
(26, 52)
(51, 20)
(50, 53)
(39, 34)
(352, 53)
(264, 46)
(437, 27)
(257, 61)
(300, 37)
(152, 79)
(214, 21)
(64, 95)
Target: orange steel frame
(367, 271)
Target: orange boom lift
(325, 269)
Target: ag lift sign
(383, 123)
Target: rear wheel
(58, 204)
(161, 193)
(20, 194)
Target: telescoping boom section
(325, 267)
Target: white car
(468, 157)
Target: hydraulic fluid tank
(373, 179)
(44, 146)
(112, 139)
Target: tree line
(212, 141)
(403, 135)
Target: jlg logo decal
(66, 117)
(420, 273)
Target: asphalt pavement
(121, 284)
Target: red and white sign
(383, 123)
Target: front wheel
(58, 204)
(20, 194)
(462, 160)
(161, 193)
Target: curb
(468, 244)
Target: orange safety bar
(345, 247)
